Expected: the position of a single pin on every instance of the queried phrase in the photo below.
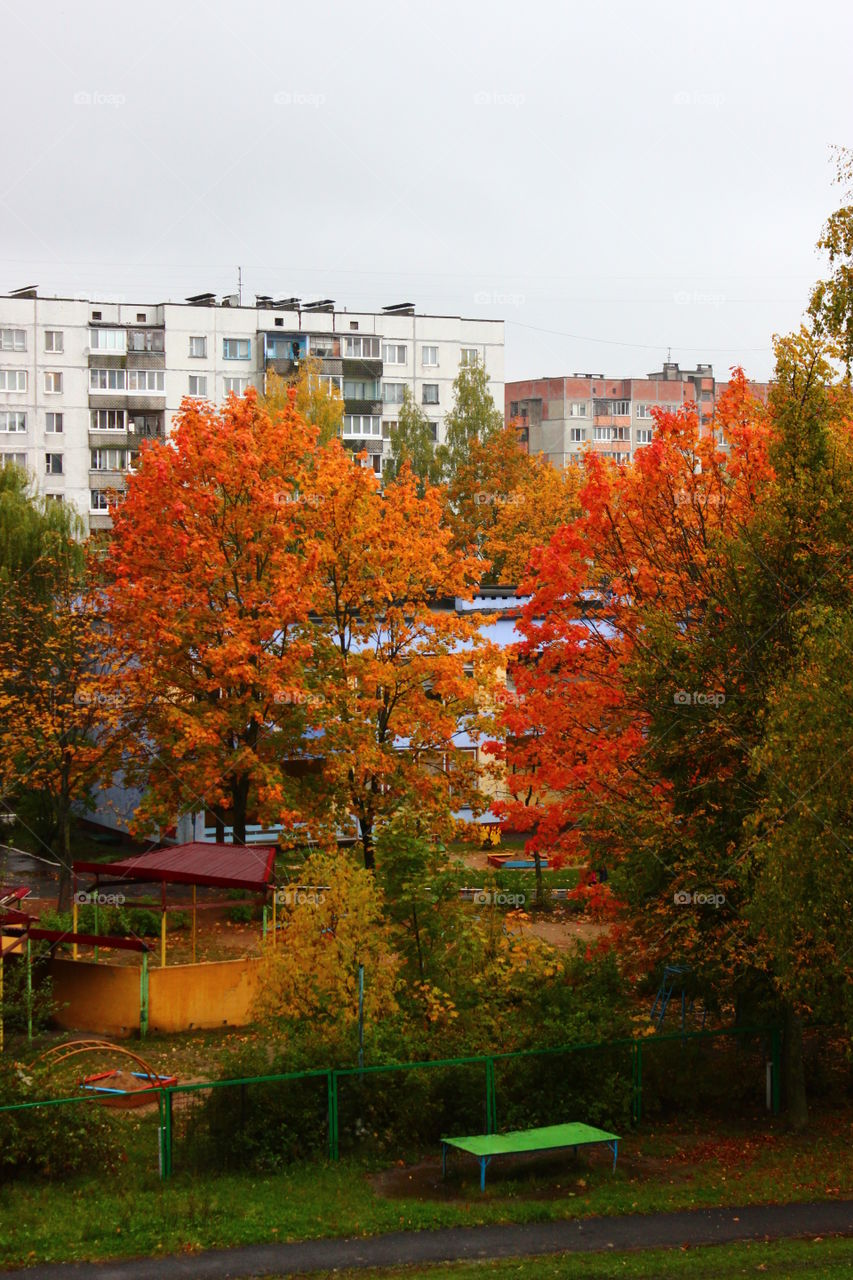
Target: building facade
(562, 417)
(83, 382)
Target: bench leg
(614, 1146)
(482, 1173)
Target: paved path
(576, 1235)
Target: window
(644, 410)
(146, 425)
(644, 435)
(108, 340)
(237, 385)
(621, 433)
(577, 433)
(14, 460)
(54, 340)
(236, 349)
(98, 501)
(321, 345)
(146, 380)
(96, 315)
(394, 353)
(601, 433)
(13, 379)
(198, 347)
(362, 424)
(364, 348)
(107, 379)
(429, 356)
(53, 424)
(392, 392)
(141, 317)
(109, 460)
(430, 393)
(281, 346)
(469, 356)
(621, 408)
(198, 384)
(388, 426)
(146, 340)
(108, 419)
(53, 464)
(358, 390)
(52, 383)
(353, 324)
(13, 339)
(621, 458)
(433, 426)
(12, 423)
(579, 409)
(513, 408)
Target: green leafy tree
(412, 442)
(475, 419)
(831, 302)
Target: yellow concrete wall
(103, 998)
(186, 997)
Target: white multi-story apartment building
(82, 382)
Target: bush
(243, 914)
(54, 1140)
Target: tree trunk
(418, 939)
(537, 863)
(240, 804)
(64, 890)
(367, 845)
(793, 1072)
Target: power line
(640, 346)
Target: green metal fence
(263, 1122)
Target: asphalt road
(576, 1235)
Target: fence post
(143, 997)
(491, 1101)
(776, 1069)
(165, 1133)
(332, 1079)
(636, 1081)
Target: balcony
(108, 480)
(361, 369)
(367, 408)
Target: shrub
(51, 1141)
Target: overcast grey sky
(610, 179)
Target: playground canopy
(221, 866)
(218, 866)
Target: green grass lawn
(128, 1211)
(805, 1259)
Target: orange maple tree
(205, 600)
(397, 666)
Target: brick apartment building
(562, 417)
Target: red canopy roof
(225, 866)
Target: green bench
(485, 1146)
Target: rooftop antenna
(239, 286)
(669, 355)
